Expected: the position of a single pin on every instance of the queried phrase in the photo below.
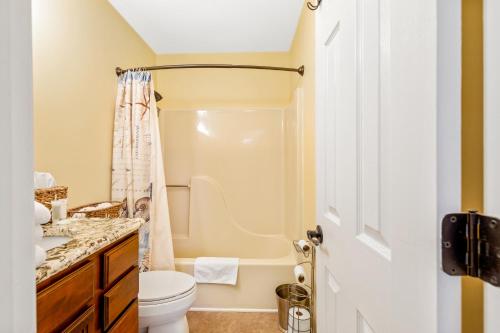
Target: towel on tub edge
(216, 270)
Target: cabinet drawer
(120, 296)
(65, 299)
(120, 259)
(83, 324)
(128, 322)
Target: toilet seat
(159, 287)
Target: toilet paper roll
(299, 320)
(300, 274)
(304, 245)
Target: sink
(50, 242)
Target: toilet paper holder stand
(309, 255)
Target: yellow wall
(472, 145)
(76, 46)
(206, 88)
(212, 88)
(302, 53)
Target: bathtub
(266, 260)
(254, 292)
(242, 198)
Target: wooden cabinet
(97, 294)
(118, 260)
(83, 324)
(120, 296)
(129, 319)
(65, 298)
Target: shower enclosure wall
(243, 199)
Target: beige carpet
(232, 322)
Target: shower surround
(243, 167)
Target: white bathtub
(266, 261)
(257, 280)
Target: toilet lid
(162, 285)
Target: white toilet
(164, 299)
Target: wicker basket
(110, 212)
(46, 195)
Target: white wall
(17, 277)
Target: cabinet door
(119, 260)
(128, 322)
(83, 324)
(65, 299)
(118, 298)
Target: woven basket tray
(110, 212)
(46, 195)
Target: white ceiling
(210, 26)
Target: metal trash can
(288, 295)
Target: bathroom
(249, 166)
(236, 143)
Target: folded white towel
(40, 255)
(37, 233)
(216, 270)
(43, 180)
(42, 214)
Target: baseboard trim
(197, 309)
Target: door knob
(315, 236)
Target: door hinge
(471, 246)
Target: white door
(381, 187)
(492, 141)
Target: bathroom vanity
(91, 283)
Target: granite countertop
(88, 236)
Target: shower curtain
(138, 179)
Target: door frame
(17, 304)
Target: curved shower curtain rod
(299, 70)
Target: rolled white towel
(42, 214)
(103, 205)
(37, 233)
(43, 180)
(40, 255)
(88, 209)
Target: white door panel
(377, 167)
(492, 141)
